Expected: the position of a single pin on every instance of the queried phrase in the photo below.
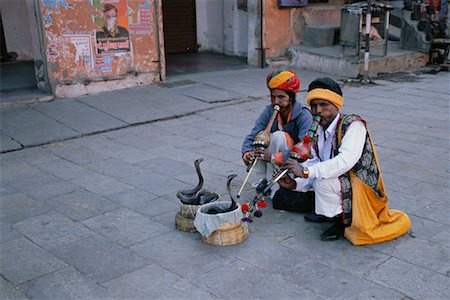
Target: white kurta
(325, 168)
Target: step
(320, 35)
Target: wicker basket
(228, 234)
(184, 224)
(188, 210)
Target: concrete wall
(284, 26)
(16, 25)
(222, 27)
(81, 63)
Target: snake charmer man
(345, 174)
(289, 127)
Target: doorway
(202, 35)
(20, 54)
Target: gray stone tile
(144, 202)
(442, 238)
(18, 207)
(30, 127)
(7, 143)
(124, 152)
(125, 227)
(8, 233)
(356, 260)
(9, 292)
(80, 155)
(115, 168)
(376, 292)
(81, 205)
(169, 167)
(52, 230)
(22, 261)
(100, 184)
(135, 110)
(99, 258)
(32, 156)
(65, 284)
(327, 281)
(424, 228)
(252, 283)
(413, 281)
(437, 257)
(154, 183)
(62, 168)
(224, 140)
(43, 187)
(6, 189)
(436, 212)
(14, 171)
(208, 93)
(271, 257)
(182, 253)
(78, 116)
(154, 282)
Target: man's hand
(287, 182)
(262, 154)
(294, 167)
(248, 157)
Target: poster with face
(113, 36)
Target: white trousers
(265, 169)
(327, 197)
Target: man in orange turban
(291, 124)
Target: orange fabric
(372, 220)
(280, 120)
(289, 140)
(278, 158)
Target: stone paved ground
(89, 214)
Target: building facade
(87, 46)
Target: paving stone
(144, 202)
(99, 258)
(17, 207)
(9, 292)
(283, 261)
(22, 261)
(7, 143)
(252, 283)
(208, 93)
(154, 183)
(413, 281)
(437, 257)
(8, 233)
(182, 253)
(115, 168)
(442, 238)
(80, 155)
(80, 205)
(154, 282)
(356, 260)
(437, 212)
(19, 171)
(376, 292)
(424, 228)
(32, 156)
(65, 284)
(52, 230)
(224, 140)
(78, 116)
(43, 187)
(62, 168)
(169, 167)
(6, 189)
(134, 110)
(126, 227)
(30, 127)
(327, 281)
(125, 153)
(100, 184)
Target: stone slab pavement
(88, 199)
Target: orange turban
(285, 80)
